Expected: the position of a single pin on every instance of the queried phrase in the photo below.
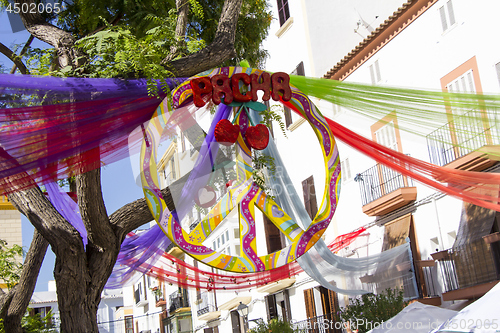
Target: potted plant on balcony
(158, 296)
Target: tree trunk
(26, 286)
(81, 273)
(77, 310)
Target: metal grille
(378, 181)
(470, 131)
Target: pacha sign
(223, 87)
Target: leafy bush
(274, 325)
(364, 312)
(35, 324)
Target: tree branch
(14, 58)
(5, 300)
(220, 50)
(61, 40)
(33, 204)
(93, 210)
(23, 51)
(133, 215)
(180, 28)
(27, 282)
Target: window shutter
(346, 170)
(235, 321)
(442, 14)
(272, 311)
(273, 236)
(300, 69)
(287, 310)
(372, 74)
(378, 77)
(451, 13)
(310, 197)
(309, 300)
(288, 116)
(183, 142)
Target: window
(129, 324)
(336, 110)
(183, 142)
(278, 306)
(467, 122)
(346, 170)
(463, 84)
(291, 117)
(227, 235)
(172, 167)
(447, 15)
(283, 11)
(375, 72)
(309, 192)
(386, 136)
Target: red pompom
(226, 133)
(257, 136)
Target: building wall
(319, 34)
(10, 228)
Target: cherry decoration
(257, 136)
(226, 133)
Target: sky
(118, 183)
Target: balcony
(178, 300)
(470, 270)
(140, 296)
(206, 309)
(455, 143)
(384, 190)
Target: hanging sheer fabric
(342, 275)
(53, 128)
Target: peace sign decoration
(223, 85)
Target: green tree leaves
(369, 309)
(10, 263)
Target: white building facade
(436, 44)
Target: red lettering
(221, 87)
(200, 86)
(235, 83)
(265, 86)
(281, 84)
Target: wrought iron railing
(177, 300)
(463, 135)
(206, 304)
(467, 265)
(378, 181)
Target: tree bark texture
(180, 28)
(26, 286)
(82, 272)
(220, 50)
(14, 58)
